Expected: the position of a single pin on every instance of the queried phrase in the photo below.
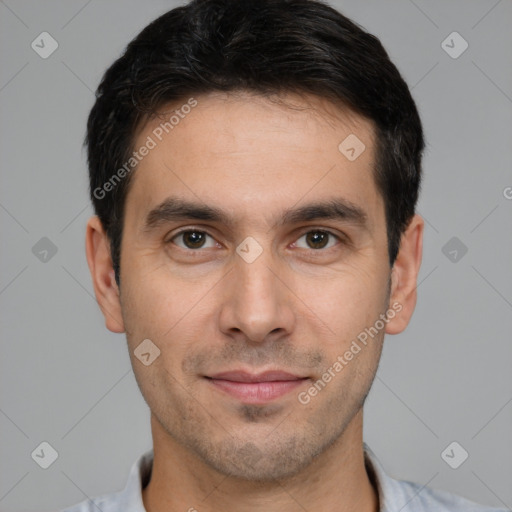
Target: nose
(257, 303)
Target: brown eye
(192, 239)
(317, 239)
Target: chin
(262, 464)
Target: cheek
(151, 314)
(172, 313)
(150, 298)
(344, 303)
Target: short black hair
(267, 47)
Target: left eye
(317, 240)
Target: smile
(256, 388)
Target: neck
(336, 480)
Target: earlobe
(404, 275)
(102, 273)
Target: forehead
(253, 155)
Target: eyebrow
(174, 208)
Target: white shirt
(394, 495)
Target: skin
(296, 308)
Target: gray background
(66, 380)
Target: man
(254, 168)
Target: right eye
(192, 239)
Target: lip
(256, 388)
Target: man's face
(259, 290)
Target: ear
(102, 272)
(404, 275)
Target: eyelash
(339, 238)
